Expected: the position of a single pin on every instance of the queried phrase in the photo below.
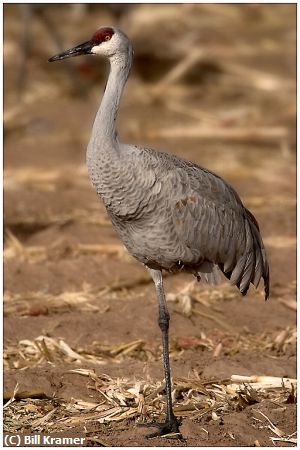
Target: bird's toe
(170, 428)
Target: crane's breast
(124, 187)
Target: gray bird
(170, 213)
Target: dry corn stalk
(261, 382)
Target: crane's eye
(107, 37)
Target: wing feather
(213, 222)
(207, 222)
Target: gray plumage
(173, 214)
(170, 213)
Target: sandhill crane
(170, 213)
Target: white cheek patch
(106, 48)
(97, 50)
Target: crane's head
(107, 41)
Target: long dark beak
(82, 49)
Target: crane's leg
(172, 424)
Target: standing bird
(170, 213)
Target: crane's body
(170, 213)
(174, 215)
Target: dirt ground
(82, 348)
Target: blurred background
(214, 83)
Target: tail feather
(248, 269)
(253, 264)
(266, 275)
(248, 272)
(238, 271)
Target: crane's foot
(170, 427)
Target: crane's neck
(104, 128)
